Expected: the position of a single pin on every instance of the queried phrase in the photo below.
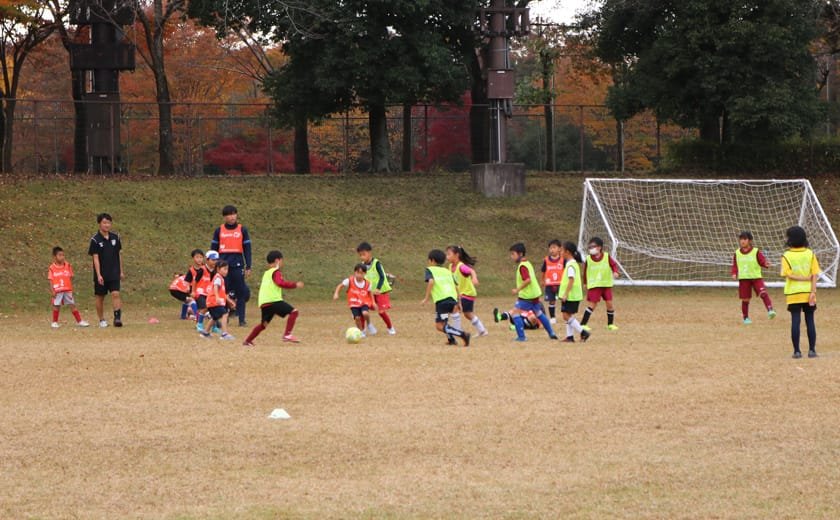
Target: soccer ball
(353, 335)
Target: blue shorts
(467, 305)
(527, 305)
(551, 293)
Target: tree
(24, 25)
(735, 70)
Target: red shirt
(762, 260)
(61, 277)
(278, 280)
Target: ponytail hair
(571, 246)
(462, 255)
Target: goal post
(684, 232)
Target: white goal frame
(828, 254)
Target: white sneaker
(226, 337)
(371, 329)
(364, 335)
(392, 331)
(103, 324)
(483, 333)
(553, 321)
(83, 324)
(55, 325)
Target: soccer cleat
(451, 341)
(553, 336)
(204, 334)
(483, 333)
(812, 354)
(288, 338)
(466, 338)
(371, 330)
(553, 321)
(512, 327)
(392, 331)
(797, 355)
(520, 340)
(771, 314)
(118, 323)
(612, 327)
(497, 316)
(103, 324)
(55, 325)
(247, 343)
(82, 324)
(586, 328)
(747, 321)
(568, 339)
(584, 335)
(227, 337)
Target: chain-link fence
(240, 139)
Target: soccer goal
(685, 232)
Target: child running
(271, 300)
(462, 266)
(800, 269)
(359, 297)
(599, 271)
(218, 302)
(571, 292)
(528, 294)
(552, 269)
(60, 275)
(381, 287)
(441, 287)
(746, 268)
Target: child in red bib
(359, 296)
(60, 276)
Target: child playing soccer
(462, 266)
(380, 285)
(218, 302)
(359, 296)
(800, 269)
(60, 275)
(552, 269)
(441, 287)
(528, 292)
(571, 292)
(599, 271)
(746, 268)
(529, 319)
(271, 300)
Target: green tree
(736, 70)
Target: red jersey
(553, 271)
(61, 277)
(230, 240)
(359, 296)
(212, 300)
(202, 285)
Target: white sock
(455, 320)
(478, 325)
(575, 325)
(569, 330)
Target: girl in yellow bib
(462, 266)
(800, 269)
(571, 292)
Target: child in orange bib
(61, 288)
(359, 296)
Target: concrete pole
(498, 61)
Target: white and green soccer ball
(353, 335)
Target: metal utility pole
(100, 62)
(497, 25)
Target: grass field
(683, 413)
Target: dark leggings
(795, 319)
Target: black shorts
(799, 307)
(551, 293)
(181, 296)
(570, 307)
(467, 305)
(358, 312)
(201, 301)
(443, 308)
(271, 310)
(217, 312)
(108, 287)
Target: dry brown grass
(683, 413)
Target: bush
(786, 158)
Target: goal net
(685, 232)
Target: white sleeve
(346, 283)
(218, 282)
(572, 271)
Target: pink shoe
(288, 338)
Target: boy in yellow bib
(528, 292)
(272, 302)
(440, 286)
(800, 269)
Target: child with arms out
(800, 269)
(60, 275)
(359, 297)
(746, 268)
